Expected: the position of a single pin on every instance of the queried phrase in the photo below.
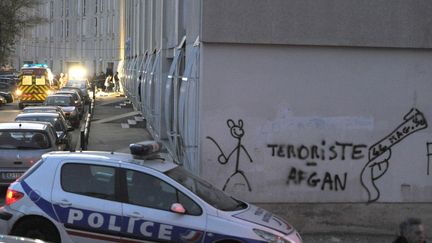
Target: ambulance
(34, 85)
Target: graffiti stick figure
(237, 132)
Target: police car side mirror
(178, 208)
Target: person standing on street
(116, 83)
(411, 230)
(62, 80)
(107, 83)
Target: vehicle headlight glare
(269, 237)
(18, 92)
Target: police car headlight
(49, 92)
(18, 92)
(269, 237)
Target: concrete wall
(384, 23)
(320, 124)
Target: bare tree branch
(15, 16)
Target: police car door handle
(64, 203)
(135, 215)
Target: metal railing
(85, 130)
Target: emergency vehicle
(36, 82)
(99, 196)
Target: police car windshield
(205, 190)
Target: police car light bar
(145, 149)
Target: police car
(118, 197)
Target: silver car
(21, 145)
(61, 126)
(67, 104)
(83, 85)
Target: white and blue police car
(118, 197)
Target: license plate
(10, 175)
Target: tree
(16, 15)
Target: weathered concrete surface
(343, 222)
(316, 222)
(385, 23)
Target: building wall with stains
(282, 123)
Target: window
(89, 180)
(67, 28)
(205, 190)
(61, 28)
(84, 27)
(149, 191)
(67, 8)
(96, 25)
(51, 9)
(24, 140)
(62, 7)
(51, 30)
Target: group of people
(112, 83)
(107, 83)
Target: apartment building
(77, 32)
(300, 106)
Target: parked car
(6, 86)
(67, 103)
(47, 108)
(139, 197)
(2, 100)
(57, 121)
(21, 145)
(79, 103)
(44, 108)
(8, 96)
(83, 86)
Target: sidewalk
(106, 131)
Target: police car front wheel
(36, 228)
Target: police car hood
(262, 217)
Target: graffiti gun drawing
(237, 132)
(380, 152)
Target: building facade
(82, 32)
(301, 106)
